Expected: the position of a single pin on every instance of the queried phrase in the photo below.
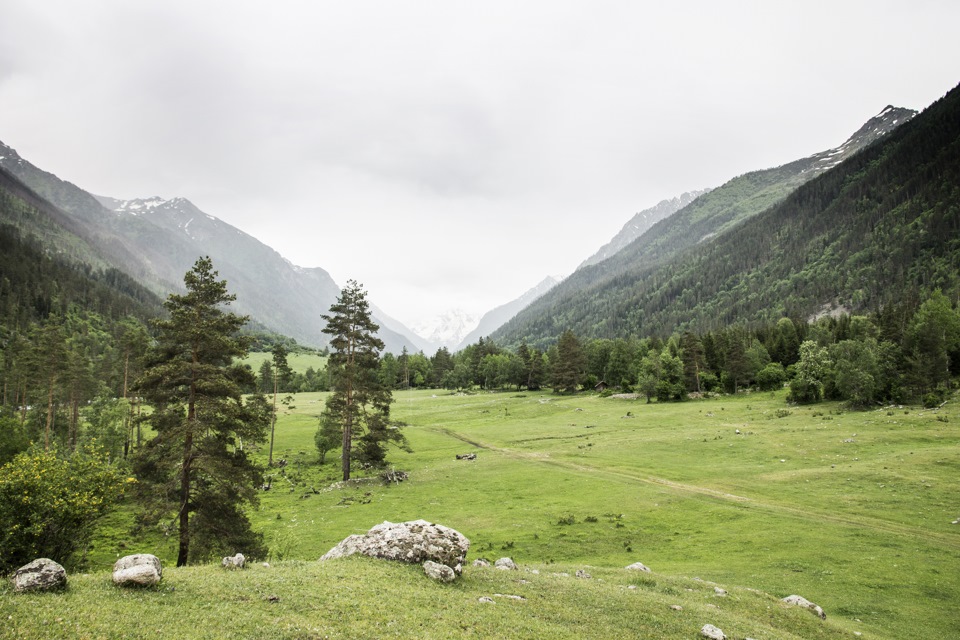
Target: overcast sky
(443, 153)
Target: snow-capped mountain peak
(447, 329)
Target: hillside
(640, 223)
(719, 261)
(364, 598)
(156, 241)
(498, 316)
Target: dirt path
(886, 526)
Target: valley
(851, 509)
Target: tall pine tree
(360, 403)
(196, 466)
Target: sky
(449, 154)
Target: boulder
(43, 574)
(415, 542)
(506, 564)
(439, 572)
(800, 601)
(138, 570)
(481, 562)
(234, 562)
(638, 566)
(711, 632)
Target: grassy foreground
(852, 510)
(365, 598)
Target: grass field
(852, 510)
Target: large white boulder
(415, 542)
(138, 570)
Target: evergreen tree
(281, 374)
(360, 403)
(570, 365)
(196, 466)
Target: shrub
(49, 504)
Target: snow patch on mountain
(448, 329)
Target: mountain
(156, 241)
(447, 330)
(493, 320)
(697, 268)
(641, 223)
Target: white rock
(416, 542)
(638, 566)
(139, 570)
(439, 572)
(711, 632)
(233, 562)
(43, 574)
(506, 564)
(800, 601)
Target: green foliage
(359, 406)
(197, 462)
(49, 504)
(881, 228)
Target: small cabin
(600, 386)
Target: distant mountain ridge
(156, 241)
(448, 329)
(595, 301)
(640, 223)
(497, 317)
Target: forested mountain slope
(36, 281)
(873, 228)
(156, 241)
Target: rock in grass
(481, 562)
(800, 601)
(439, 572)
(415, 542)
(507, 564)
(711, 632)
(138, 570)
(233, 562)
(43, 574)
(638, 566)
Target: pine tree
(360, 403)
(281, 374)
(196, 466)
(571, 363)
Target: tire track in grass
(931, 537)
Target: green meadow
(852, 510)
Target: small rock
(486, 600)
(719, 591)
(272, 598)
(638, 566)
(583, 574)
(481, 562)
(138, 570)
(632, 586)
(43, 574)
(233, 562)
(676, 607)
(511, 597)
(506, 564)
(439, 572)
(711, 632)
(800, 601)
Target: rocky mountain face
(156, 241)
(640, 223)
